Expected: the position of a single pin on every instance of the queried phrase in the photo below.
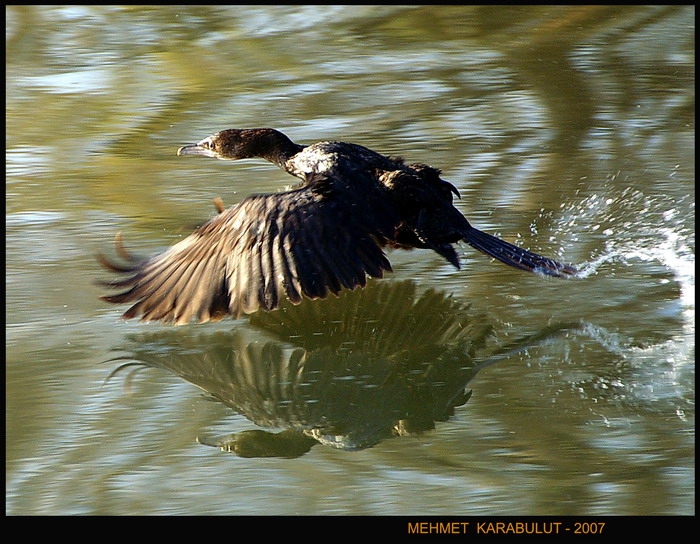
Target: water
(569, 130)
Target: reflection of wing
(297, 243)
(348, 371)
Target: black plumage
(324, 235)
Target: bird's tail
(515, 256)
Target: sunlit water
(567, 130)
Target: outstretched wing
(298, 243)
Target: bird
(327, 233)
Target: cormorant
(324, 235)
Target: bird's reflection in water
(347, 372)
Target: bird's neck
(272, 145)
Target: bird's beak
(198, 149)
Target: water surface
(569, 130)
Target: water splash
(636, 227)
(654, 239)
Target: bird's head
(235, 143)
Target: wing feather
(299, 243)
